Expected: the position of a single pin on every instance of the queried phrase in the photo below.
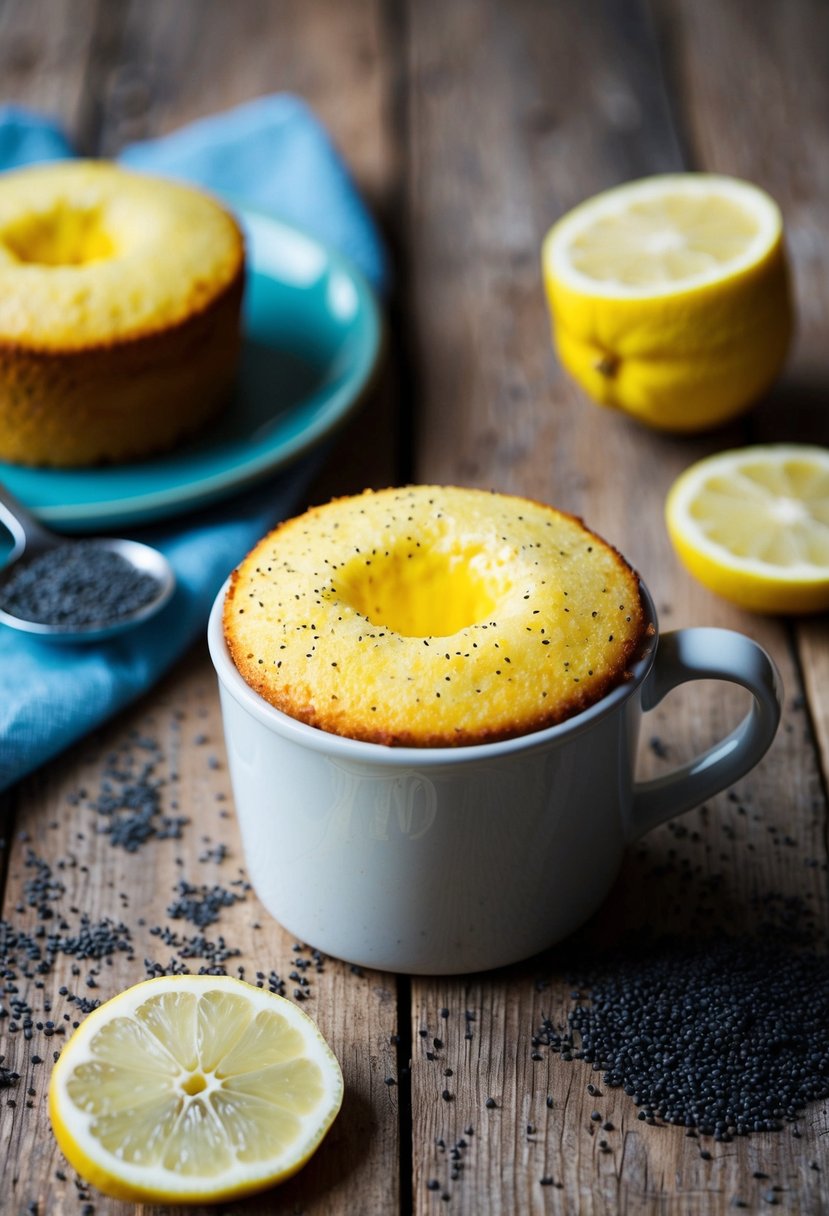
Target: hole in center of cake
(423, 593)
(64, 236)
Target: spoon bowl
(31, 542)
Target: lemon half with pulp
(192, 1089)
(670, 297)
(753, 526)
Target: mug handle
(707, 654)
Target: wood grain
(777, 136)
(177, 62)
(138, 70)
(49, 59)
(515, 115)
(60, 824)
(171, 64)
(471, 126)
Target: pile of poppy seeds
(726, 1036)
(82, 585)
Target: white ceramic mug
(446, 860)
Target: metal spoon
(30, 540)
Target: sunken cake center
(424, 593)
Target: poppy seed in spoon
(78, 585)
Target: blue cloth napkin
(274, 155)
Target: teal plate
(312, 335)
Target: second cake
(120, 297)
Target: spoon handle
(27, 533)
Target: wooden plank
(514, 117)
(163, 65)
(515, 114)
(178, 731)
(49, 59)
(178, 62)
(175, 63)
(778, 85)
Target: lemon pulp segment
(200, 1088)
(753, 525)
(664, 233)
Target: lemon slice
(670, 297)
(753, 525)
(190, 1089)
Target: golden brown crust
(256, 635)
(123, 399)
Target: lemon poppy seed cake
(120, 297)
(433, 616)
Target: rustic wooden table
(470, 126)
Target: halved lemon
(670, 297)
(191, 1089)
(753, 525)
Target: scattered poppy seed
(201, 905)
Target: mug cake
(433, 616)
(120, 298)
